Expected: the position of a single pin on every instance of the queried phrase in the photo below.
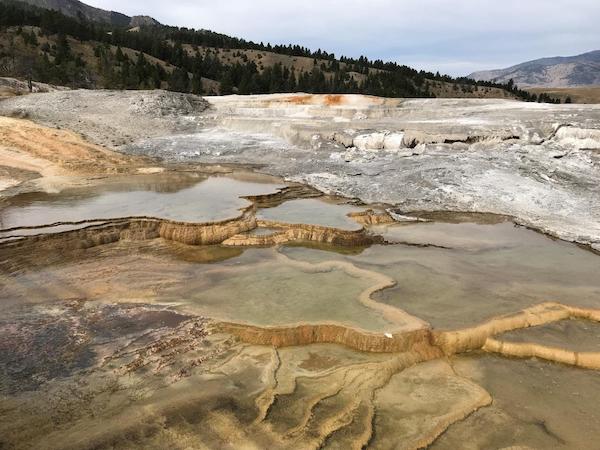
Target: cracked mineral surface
(539, 163)
(393, 291)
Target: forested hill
(51, 47)
(77, 9)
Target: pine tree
(120, 56)
(179, 80)
(63, 50)
(226, 83)
(197, 84)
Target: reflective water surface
(118, 345)
(174, 196)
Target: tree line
(117, 70)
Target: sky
(455, 37)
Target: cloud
(456, 37)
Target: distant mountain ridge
(569, 71)
(75, 8)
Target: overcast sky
(455, 37)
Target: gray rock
(106, 117)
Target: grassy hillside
(264, 59)
(582, 94)
(57, 49)
(88, 67)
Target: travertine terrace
(538, 163)
(298, 272)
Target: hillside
(303, 64)
(580, 70)
(93, 64)
(579, 94)
(76, 9)
(54, 48)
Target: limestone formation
(586, 360)
(144, 331)
(454, 155)
(104, 231)
(300, 232)
(408, 341)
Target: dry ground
(53, 157)
(584, 94)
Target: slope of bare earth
(45, 156)
(111, 118)
(48, 159)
